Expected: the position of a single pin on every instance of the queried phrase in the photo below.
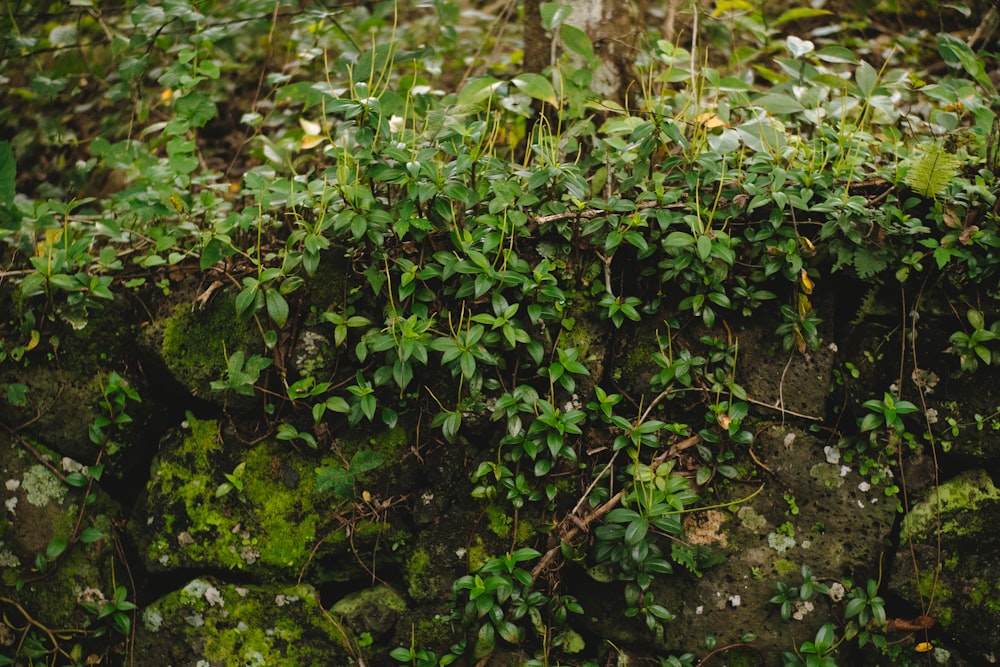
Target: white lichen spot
(249, 555)
(845, 470)
(699, 610)
(184, 539)
(242, 592)
(837, 591)
(93, 595)
(864, 487)
(42, 486)
(734, 600)
(780, 543)
(861, 503)
(195, 620)
(802, 609)
(427, 498)
(196, 588)
(282, 600)
(8, 559)
(12, 484)
(164, 559)
(152, 619)
(932, 416)
(461, 553)
(69, 465)
(214, 597)
(242, 627)
(789, 440)
(832, 454)
(11, 505)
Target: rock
(40, 511)
(373, 610)
(214, 623)
(187, 518)
(962, 583)
(809, 510)
(193, 344)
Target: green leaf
(196, 107)
(91, 535)
(956, 52)
(553, 14)
(779, 104)
(837, 54)
(931, 174)
(536, 86)
(56, 546)
(867, 77)
(577, 41)
(8, 174)
(364, 460)
(798, 13)
(277, 307)
(478, 90)
(872, 421)
(334, 478)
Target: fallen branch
(582, 524)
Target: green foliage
(933, 171)
(477, 224)
(114, 614)
(342, 480)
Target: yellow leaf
(166, 95)
(711, 121)
(33, 341)
(311, 141)
(923, 647)
(805, 306)
(807, 283)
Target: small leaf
(577, 41)
(478, 90)
(536, 86)
(277, 307)
(56, 547)
(91, 535)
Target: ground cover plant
(464, 237)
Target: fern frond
(931, 173)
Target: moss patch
(196, 343)
(957, 501)
(237, 625)
(272, 528)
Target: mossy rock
(193, 344)
(274, 527)
(224, 624)
(40, 510)
(372, 610)
(962, 576)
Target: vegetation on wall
(482, 213)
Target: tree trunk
(614, 28)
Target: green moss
(955, 502)
(196, 343)
(416, 570)
(499, 521)
(784, 567)
(236, 625)
(933, 587)
(477, 555)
